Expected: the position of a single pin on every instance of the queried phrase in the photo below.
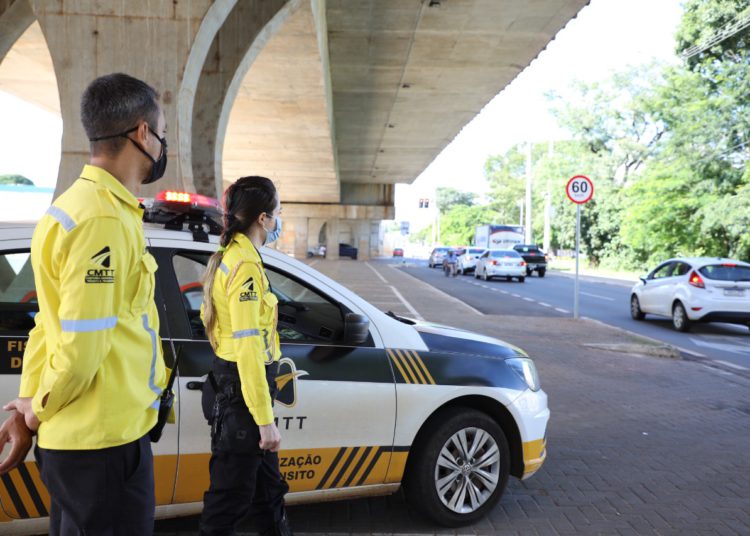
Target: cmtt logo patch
(102, 273)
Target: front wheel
(680, 320)
(459, 468)
(635, 308)
(521, 279)
(541, 272)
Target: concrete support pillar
(362, 241)
(332, 239)
(293, 239)
(89, 39)
(376, 238)
(15, 17)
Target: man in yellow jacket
(93, 370)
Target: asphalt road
(606, 300)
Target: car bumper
(514, 271)
(536, 265)
(532, 415)
(732, 317)
(717, 308)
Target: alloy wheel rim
(679, 316)
(467, 472)
(634, 308)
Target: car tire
(508, 278)
(528, 271)
(437, 475)
(521, 279)
(680, 320)
(541, 272)
(635, 308)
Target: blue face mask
(273, 236)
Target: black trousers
(104, 492)
(244, 479)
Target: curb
(597, 278)
(660, 346)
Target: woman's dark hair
(244, 202)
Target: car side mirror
(643, 278)
(356, 328)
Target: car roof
(24, 229)
(702, 261)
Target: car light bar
(197, 200)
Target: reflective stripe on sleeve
(152, 385)
(94, 324)
(245, 333)
(62, 218)
(224, 268)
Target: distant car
(500, 263)
(317, 251)
(347, 250)
(437, 256)
(398, 252)
(468, 260)
(536, 259)
(702, 289)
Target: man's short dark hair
(115, 103)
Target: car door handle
(195, 386)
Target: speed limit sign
(580, 189)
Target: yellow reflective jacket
(246, 314)
(93, 363)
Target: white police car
(367, 401)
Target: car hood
(439, 338)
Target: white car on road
(468, 261)
(702, 289)
(500, 263)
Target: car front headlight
(526, 369)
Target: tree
(457, 226)
(447, 198)
(15, 180)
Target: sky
(607, 36)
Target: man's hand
(23, 406)
(15, 432)
(270, 438)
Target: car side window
(189, 269)
(663, 271)
(305, 315)
(18, 303)
(681, 269)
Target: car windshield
(505, 253)
(475, 251)
(726, 272)
(440, 250)
(527, 249)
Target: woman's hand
(270, 438)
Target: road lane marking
(444, 294)
(731, 365)
(516, 295)
(528, 299)
(597, 296)
(724, 347)
(370, 266)
(409, 306)
(544, 304)
(561, 310)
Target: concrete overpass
(335, 100)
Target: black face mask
(158, 166)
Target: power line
(718, 37)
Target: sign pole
(578, 254)
(579, 190)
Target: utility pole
(547, 242)
(528, 234)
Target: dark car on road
(346, 250)
(535, 258)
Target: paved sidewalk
(637, 445)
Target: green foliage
(458, 225)
(447, 198)
(16, 180)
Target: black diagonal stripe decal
(13, 492)
(339, 454)
(353, 453)
(375, 459)
(358, 466)
(35, 497)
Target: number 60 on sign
(580, 189)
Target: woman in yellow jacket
(240, 315)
